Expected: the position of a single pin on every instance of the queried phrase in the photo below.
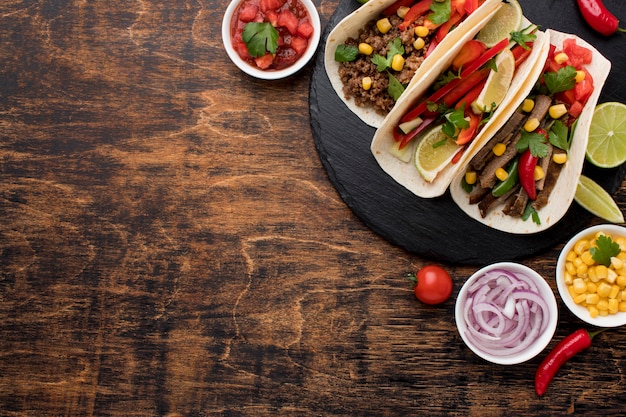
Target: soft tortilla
(563, 193)
(350, 25)
(405, 173)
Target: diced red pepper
(467, 134)
(287, 19)
(417, 10)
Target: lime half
(593, 198)
(506, 20)
(434, 152)
(607, 135)
(497, 84)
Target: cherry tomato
(433, 285)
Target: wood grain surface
(171, 244)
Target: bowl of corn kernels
(591, 275)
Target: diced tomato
(468, 53)
(575, 109)
(578, 55)
(299, 44)
(271, 5)
(241, 49)
(566, 97)
(272, 17)
(287, 19)
(305, 29)
(584, 88)
(265, 61)
(248, 12)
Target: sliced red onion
(504, 312)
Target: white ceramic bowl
(612, 320)
(539, 344)
(271, 74)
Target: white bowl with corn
(591, 275)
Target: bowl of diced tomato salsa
(271, 39)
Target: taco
(444, 103)
(532, 184)
(447, 25)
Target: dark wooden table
(171, 244)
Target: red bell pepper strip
(457, 156)
(466, 85)
(404, 140)
(417, 10)
(526, 172)
(471, 6)
(467, 133)
(441, 93)
(445, 28)
(562, 352)
(394, 7)
(471, 95)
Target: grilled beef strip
(504, 135)
(552, 175)
(490, 201)
(516, 207)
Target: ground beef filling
(352, 73)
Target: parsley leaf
(260, 38)
(559, 135)
(395, 88)
(522, 38)
(605, 249)
(395, 48)
(454, 120)
(536, 142)
(440, 12)
(346, 53)
(563, 80)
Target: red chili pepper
(526, 172)
(599, 17)
(562, 352)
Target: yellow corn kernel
(622, 256)
(531, 124)
(471, 177)
(383, 25)
(602, 271)
(557, 110)
(528, 105)
(571, 269)
(617, 263)
(397, 62)
(402, 11)
(421, 31)
(366, 83)
(365, 48)
(570, 290)
(581, 270)
(613, 306)
(593, 278)
(578, 262)
(621, 281)
(614, 291)
(603, 313)
(611, 276)
(501, 174)
(581, 298)
(560, 58)
(591, 298)
(621, 242)
(559, 158)
(498, 149)
(603, 289)
(538, 173)
(592, 288)
(568, 278)
(593, 311)
(587, 258)
(580, 76)
(603, 304)
(419, 43)
(581, 246)
(621, 307)
(579, 286)
(571, 255)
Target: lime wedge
(506, 20)
(434, 152)
(497, 84)
(607, 135)
(593, 198)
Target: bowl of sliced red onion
(506, 313)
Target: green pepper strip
(512, 178)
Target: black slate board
(436, 228)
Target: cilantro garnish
(260, 38)
(440, 12)
(395, 48)
(395, 88)
(562, 80)
(454, 120)
(604, 250)
(534, 141)
(522, 38)
(559, 135)
(346, 53)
